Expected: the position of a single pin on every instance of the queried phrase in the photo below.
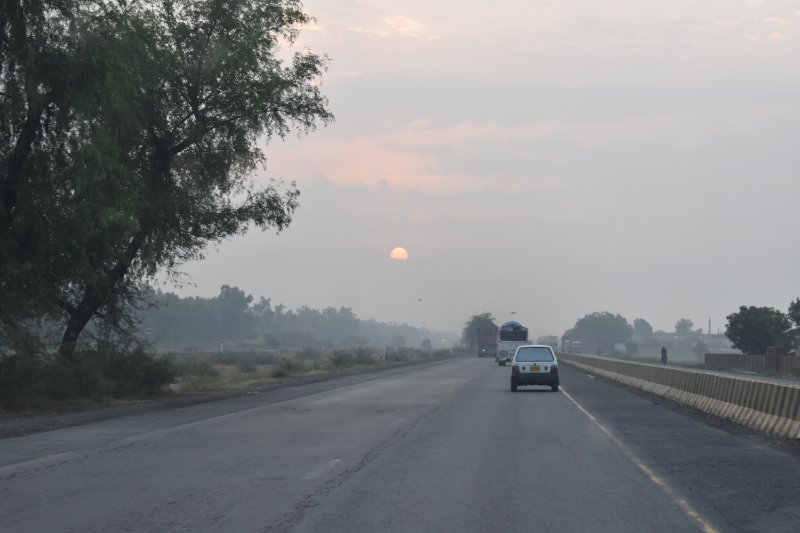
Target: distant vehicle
(487, 350)
(571, 346)
(487, 340)
(510, 336)
(549, 340)
(534, 365)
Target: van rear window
(534, 354)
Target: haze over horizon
(549, 158)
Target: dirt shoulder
(18, 424)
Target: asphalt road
(439, 447)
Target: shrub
(247, 368)
(286, 367)
(85, 376)
(24, 380)
(399, 354)
(111, 369)
(308, 354)
(341, 359)
(442, 354)
(138, 372)
(105, 370)
(241, 358)
(192, 365)
(363, 356)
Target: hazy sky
(550, 158)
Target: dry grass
(201, 375)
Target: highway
(438, 447)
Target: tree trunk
(95, 296)
(78, 319)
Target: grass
(214, 371)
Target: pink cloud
(464, 135)
(368, 161)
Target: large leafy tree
(754, 329)
(602, 330)
(480, 326)
(136, 128)
(41, 80)
(794, 312)
(642, 328)
(683, 327)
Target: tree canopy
(642, 328)
(754, 329)
(602, 330)
(478, 325)
(794, 312)
(683, 327)
(130, 133)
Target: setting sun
(399, 253)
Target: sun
(399, 253)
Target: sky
(539, 160)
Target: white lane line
(693, 513)
(322, 469)
(39, 462)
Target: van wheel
(513, 388)
(554, 387)
(502, 363)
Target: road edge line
(687, 508)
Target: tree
(794, 312)
(642, 329)
(42, 69)
(482, 326)
(683, 327)
(700, 348)
(602, 330)
(398, 341)
(158, 117)
(754, 329)
(631, 347)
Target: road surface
(438, 447)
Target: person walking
(663, 355)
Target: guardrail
(770, 407)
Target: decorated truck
(487, 340)
(510, 336)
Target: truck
(486, 340)
(549, 340)
(571, 345)
(510, 336)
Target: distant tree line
(233, 320)
(601, 331)
(751, 329)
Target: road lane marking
(322, 469)
(687, 508)
(16, 468)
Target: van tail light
(515, 369)
(554, 369)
